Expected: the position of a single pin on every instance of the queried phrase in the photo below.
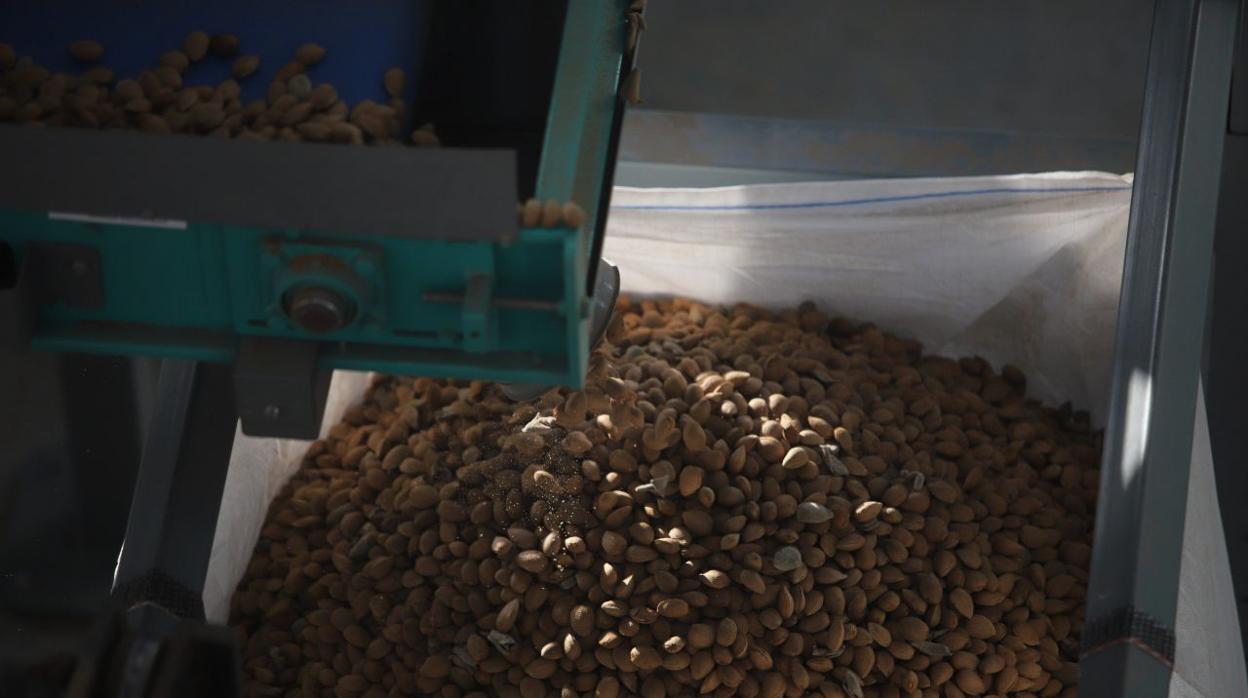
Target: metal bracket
(68, 273)
(352, 273)
(48, 273)
(477, 313)
(279, 391)
(605, 295)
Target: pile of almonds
(535, 213)
(160, 101)
(738, 503)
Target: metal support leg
(181, 479)
(1133, 588)
(1226, 373)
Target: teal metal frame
(512, 310)
(1151, 438)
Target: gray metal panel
(823, 148)
(1161, 318)
(451, 194)
(1068, 67)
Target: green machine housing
(399, 260)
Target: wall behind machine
(905, 87)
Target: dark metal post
(181, 479)
(1226, 374)
(1133, 589)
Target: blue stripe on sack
(860, 202)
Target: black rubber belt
(1133, 627)
(161, 589)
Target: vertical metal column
(1226, 374)
(181, 479)
(1133, 590)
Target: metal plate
(1137, 551)
(446, 194)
